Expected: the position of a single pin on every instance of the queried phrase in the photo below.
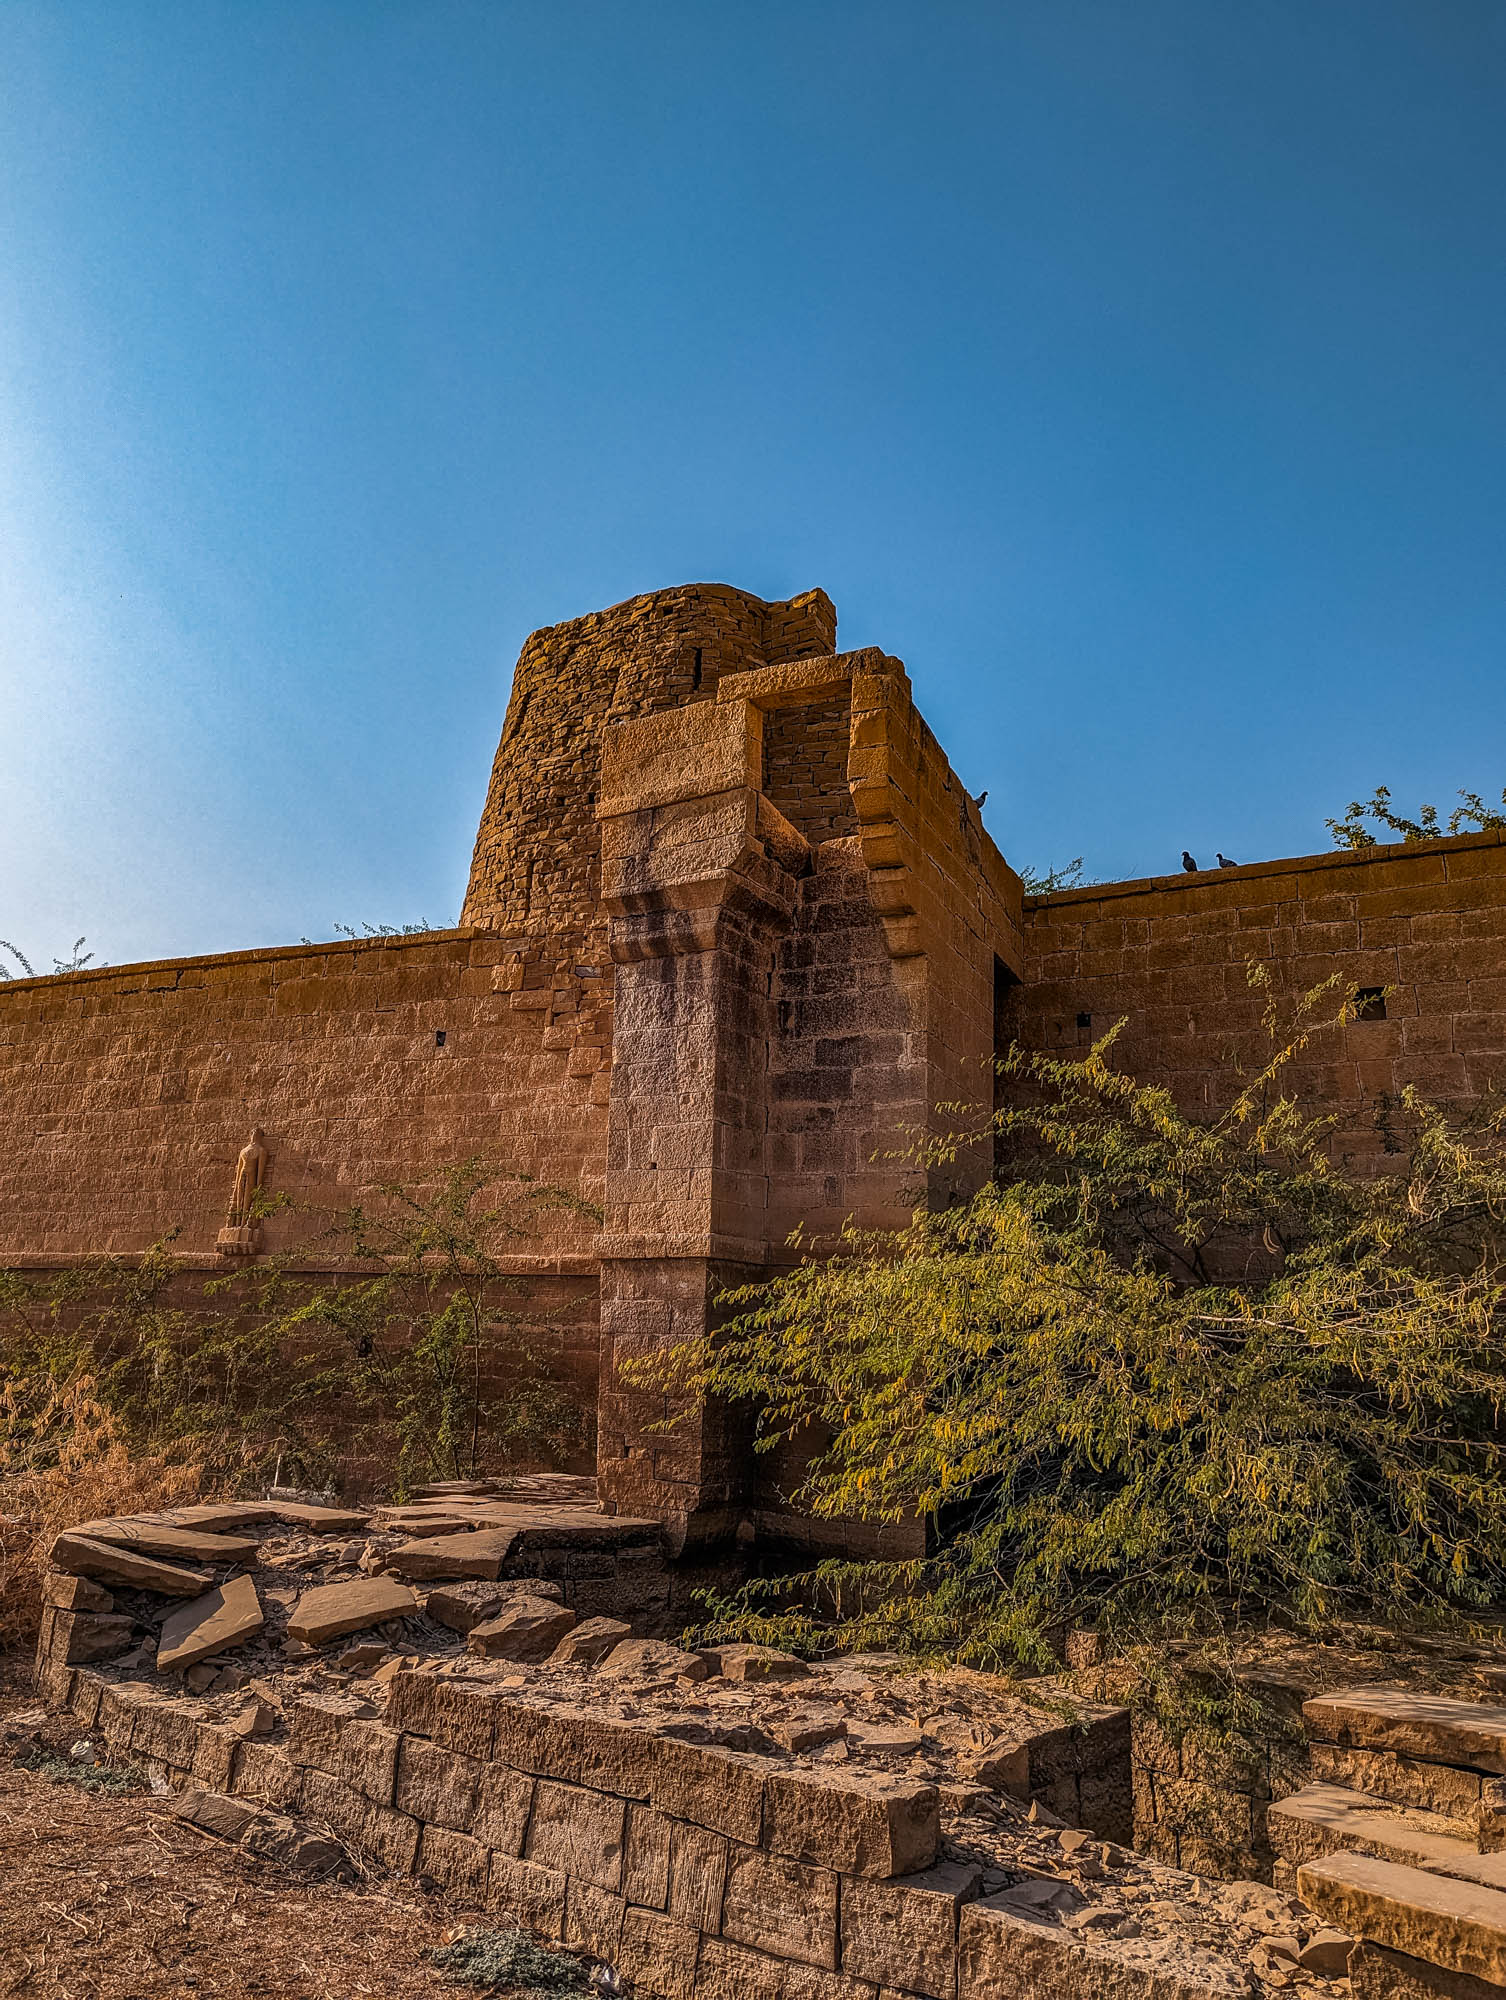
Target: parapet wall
(1170, 956)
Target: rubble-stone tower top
(536, 863)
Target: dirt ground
(107, 1897)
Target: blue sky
(1136, 372)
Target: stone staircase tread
(1326, 1819)
(1460, 1926)
(1440, 1728)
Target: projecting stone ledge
(1460, 1926)
(1469, 1733)
(336, 1609)
(79, 1555)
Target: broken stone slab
(480, 1554)
(754, 1663)
(318, 1520)
(416, 1522)
(1436, 1918)
(105, 1562)
(463, 1606)
(212, 1516)
(1002, 1767)
(655, 1658)
(75, 1593)
(177, 1544)
(335, 1609)
(214, 1622)
(588, 1644)
(528, 1629)
(1416, 1725)
(271, 1835)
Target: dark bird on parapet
(1188, 863)
(981, 801)
(1225, 862)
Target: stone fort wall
(733, 928)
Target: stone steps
(1326, 1819)
(1430, 1920)
(1428, 1726)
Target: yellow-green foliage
(1157, 1368)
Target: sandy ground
(108, 1898)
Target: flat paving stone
(318, 1520)
(1458, 1925)
(107, 1562)
(1417, 1725)
(159, 1538)
(219, 1619)
(479, 1553)
(335, 1609)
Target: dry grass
(62, 1461)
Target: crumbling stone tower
(806, 927)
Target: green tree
(1157, 1370)
(1474, 816)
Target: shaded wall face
(1427, 921)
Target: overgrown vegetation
(1354, 830)
(1158, 1373)
(509, 1961)
(133, 1383)
(1051, 881)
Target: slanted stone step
(130, 1569)
(1460, 1926)
(1431, 1726)
(1326, 1819)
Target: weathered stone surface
(533, 1897)
(1402, 1781)
(438, 1784)
(655, 1659)
(1378, 1974)
(1325, 1819)
(214, 1757)
(75, 1593)
(616, 1756)
(457, 1861)
(589, 1643)
(1415, 1725)
(578, 1832)
(1459, 1925)
(262, 1771)
(452, 1557)
(212, 1813)
(721, 1790)
(368, 1759)
(904, 1933)
(1327, 1954)
(81, 1636)
(697, 1875)
(212, 1517)
(1003, 1767)
(221, 1618)
(593, 1918)
(379, 1831)
(1003, 1953)
(462, 1606)
(107, 1563)
(318, 1520)
(460, 1716)
(504, 1802)
(315, 1726)
(645, 1858)
(176, 1544)
(780, 1906)
(335, 1609)
(754, 1663)
(529, 1628)
(166, 1729)
(658, 1954)
(861, 1825)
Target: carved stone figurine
(241, 1236)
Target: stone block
(697, 1876)
(75, 1593)
(1458, 1925)
(645, 1858)
(544, 1741)
(463, 1606)
(532, 1897)
(577, 1831)
(104, 1563)
(390, 1837)
(166, 1729)
(754, 1663)
(175, 1544)
(455, 1861)
(314, 1728)
(872, 1826)
(1427, 1726)
(658, 1954)
(118, 1706)
(439, 1785)
(367, 1760)
(904, 1933)
(262, 1771)
(479, 1554)
(84, 1698)
(214, 1756)
(504, 1801)
(1401, 1781)
(617, 1756)
(588, 1644)
(730, 1972)
(222, 1618)
(713, 1788)
(451, 1712)
(528, 1628)
(1378, 1974)
(80, 1636)
(593, 1919)
(1001, 1953)
(780, 1906)
(335, 1610)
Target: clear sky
(1134, 369)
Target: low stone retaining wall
(699, 1872)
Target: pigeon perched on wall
(981, 801)
(1225, 862)
(1188, 863)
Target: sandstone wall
(129, 1091)
(1170, 956)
